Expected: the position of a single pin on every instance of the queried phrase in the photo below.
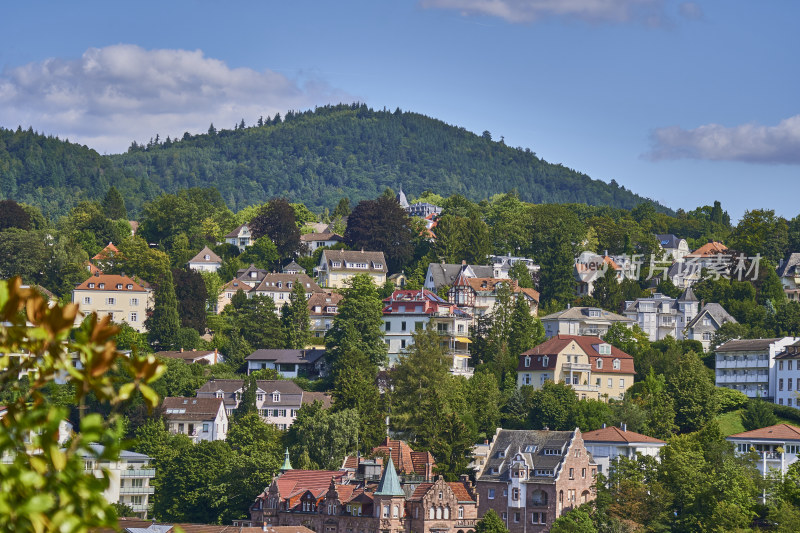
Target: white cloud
(521, 11)
(113, 95)
(691, 10)
(750, 143)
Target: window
(461, 511)
(516, 517)
(610, 382)
(395, 511)
(789, 402)
(134, 301)
(572, 473)
(515, 494)
(490, 495)
(386, 511)
(505, 491)
(432, 512)
(101, 286)
(621, 383)
(789, 384)
(87, 300)
(119, 286)
(111, 301)
(388, 326)
(402, 326)
(505, 516)
(780, 384)
(205, 427)
(597, 382)
(790, 364)
(276, 396)
(402, 343)
(599, 363)
(545, 360)
(418, 326)
(137, 500)
(780, 365)
(552, 451)
(583, 472)
(259, 397)
(91, 285)
(441, 495)
(134, 317)
(604, 349)
(616, 364)
(780, 401)
(530, 448)
(526, 379)
(527, 361)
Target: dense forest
(314, 157)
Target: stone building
(532, 477)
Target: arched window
(447, 513)
(461, 511)
(395, 511)
(545, 361)
(431, 513)
(599, 363)
(386, 511)
(438, 513)
(616, 364)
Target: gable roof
(668, 240)
(110, 282)
(790, 266)
(375, 260)
(446, 274)
(553, 346)
(323, 300)
(286, 356)
(235, 233)
(515, 441)
(270, 282)
(778, 432)
(327, 236)
(201, 256)
(109, 251)
(717, 313)
(687, 295)
(615, 434)
(293, 268)
(459, 489)
(182, 408)
(186, 355)
(746, 345)
(267, 385)
(708, 249)
(574, 313)
(407, 460)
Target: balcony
(463, 371)
(744, 378)
(576, 367)
(137, 490)
(585, 388)
(140, 472)
(742, 363)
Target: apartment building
(610, 442)
(787, 376)
(748, 365)
(130, 478)
(582, 321)
(118, 296)
(198, 418)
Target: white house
(748, 365)
(777, 446)
(205, 261)
(501, 266)
(787, 376)
(661, 316)
(313, 241)
(676, 247)
(582, 321)
(789, 272)
(199, 418)
(336, 267)
(287, 362)
(240, 237)
(608, 443)
(130, 478)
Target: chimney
(624, 426)
(181, 350)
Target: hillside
(315, 157)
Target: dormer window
(119, 286)
(253, 274)
(129, 287)
(599, 363)
(594, 313)
(377, 265)
(206, 257)
(527, 361)
(102, 286)
(604, 349)
(616, 364)
(276, 396)
(501, 454)
(91, 285)
(545, 361)
(530, 448)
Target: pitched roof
(293, 267)
(615, 434)
(268, 385)
(235, 233)
(778, 432)
(746, 345)
(201, 256)
(323, 300)
(511, 442)
(556, 344)
(574, 313)
(246, 274)
(668, 240)
(293, 481)
(314, 237)
(187, 355)
(446, 274)
(181, 408)
(687, 295)
(311, 397)
(407, 460)
(206, 528)
(790, 266)
(715, 311)
(236, 285)
(110, 282)
(375, 260)
(109, 251)
(286, 355)
(390, 483)
(459, 489)
(710, 248)
(280, 282)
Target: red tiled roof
(711, 248)
(555, 345)
(110, 282)
(106, 252)
(292, 481)
(615, 434)
(458, 488)
(778, 432)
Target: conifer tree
(247, 402)
(163, 324)
(526, 330)
(114, 205)
(296, 320)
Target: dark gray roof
(668, 240)
(267, 385)
(286, 356)
(583, 313)
(201, 256)
(244, 273)
(531, 444)
(717, 313)
(444, 274)
(746, 345)
(789, 267)
(687, 295)
(235, 232)
(294, 267)
(192, 408)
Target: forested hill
(315, 157)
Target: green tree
(381, 226)
(190, 290)
(13, 215)
(262, 253)
(325, 436)
(277, 221)
(574, 521)
(163, 323)
(491, 522)
(758, 414)
(553, 407)
(484, 399)
(296, 320)
(692, 391)
(342, 208)
(527, 331)
(761, 232)
(114, 205)
(520, 273)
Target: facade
(676, 247)
(423, 210)
(347, 502)
(204, 357)
(661, 316)
(287, 362)
(408, 463)
(322, 308)
(124, 299)
(501, 266)
(532, 477)
(407, 311)
(608, 443)
(198, 418)
(582, 321)
(313, 241)
(441, 275)
(789, 272)
(704, 326)
(205, 261)
(592, 367)
(240, 237)
(777, 446)
(590, 267)
(258, 282)
(478, 296)
(748, 365)
(338, 266)
(787, 374)
(130, 479)
(277, 401)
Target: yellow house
(123, 298)
(591, 366)
(338, 266)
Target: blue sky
(683, 102)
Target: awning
(463, 339)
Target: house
(608, 443)
(288, 363)
(409, 464)
(478, 296)
(199, 418)
(338, 266)
(676, 247)
(240, 237)
(501, 266)
(258, 282)
(277, 401)
(661, 316)
(342, 501)
(787, 376)
(777, 446)
(582, 321)
(293, 268)
(532, 477)
(399, 280)
(312, 241)
(130, 478)
(322, 307)
(441, 275)
(119, 296)
(789, 272)
(407, 311)
(591, 366)
(590, 267)
(204, 357)
(423, 210)
(205, 261)
(703, 326)
(748, 365)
